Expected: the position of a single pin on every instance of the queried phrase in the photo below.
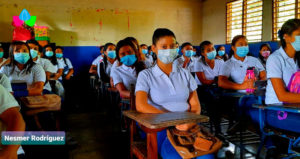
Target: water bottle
(250, 75)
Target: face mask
(242, 51)
(167, 55)
(59, 55)
(194, 53)
(1, 54)
(111, 54)
(177, 49)
(22, 57)
(151, 53)
(211, 55)
(265, 54)
(144, 51)
(221, 52)
(33, 53)
(189, 53)
(49, 53)
(296, 43)
(128, 60)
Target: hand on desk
(185, 127)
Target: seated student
(126, 74)
(65, 63)
(166, 88)
(105, 66)
(45, 63)
(22, 69)
(4, 81)
(264, 52)
(236, 67)
(148, 56)
(207, 70)
(221, 53)
(93, 68)
(185, 60)
(3, 61)
(12, 120)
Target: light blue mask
(242, 51)
(49, 53)
(177, 49)
(59, 55)
(144, 51)
(151, 53)
(189, 53)
(33, 53)
(22, 57)
(296, 43)
(221, 53)
(194, 53)
(112, 54)
(128, 60)
(211, 55)
(1, 54)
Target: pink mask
(266, 54)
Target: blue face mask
(194, 53)
(1, 54)
(296, 43)
(33, 53)
(59, 55)
(242, 51)
(22, 57)
(128, 60)
(151, 53)
(112, 54)
(144, 51)
(189, 53)
(211, 55)
(49, 53)
(177, 49)
(221, 53)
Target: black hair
(144, 45)
(138, 65)
(13, 63)
(161, 32)
(288, 28)
(185, 44)
(260, 56)
(104, 49)
(53, 58)
(202, 47)
(224, 57)
(233, 42)
(59, 47)
(35, 43)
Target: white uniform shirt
(67, 64)
(36, 74)
(180, 61)
(279, 65)
(48, 67)
(209, 73)
(236, 70)
(107, 68)
(149, 61)
(124, 74)
(97, 60)
(167, 92)
(115, 64)
(3, 61)
(4, 81)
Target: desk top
(295, 108)
(155, 121)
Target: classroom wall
(95, 22)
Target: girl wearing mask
(65, 63)
(221, 54)
(185, 61)
(166, 88)
(3, 61)
(104, 67)
(148, 56)
(22, 69)
(126, 74)
(264, 53)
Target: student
(126, 74)
(4, 81)
(45, 63)
(236, 67)
(65, 63)
(148, 56)
(264, 52)
(221, 53)
(165, 87)
(95, 63)
(12, 120)
(22, 69)
(105, 66)
(185, 61)
(3, 61)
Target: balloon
(17, 21)
(31, 21)
(24, 15)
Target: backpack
(294, 84)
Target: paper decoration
(31, 21)
(17, 22)
(24, 15)
(41, 33)
(21, 34)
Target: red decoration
(21, 34)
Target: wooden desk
(154, 123)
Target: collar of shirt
(236, 60)
(158, 72)
(127, 68)
(283, 54)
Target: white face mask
(167, 55)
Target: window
(244, 17)
(283, 10)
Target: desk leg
(152, 145)
(131, 138)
